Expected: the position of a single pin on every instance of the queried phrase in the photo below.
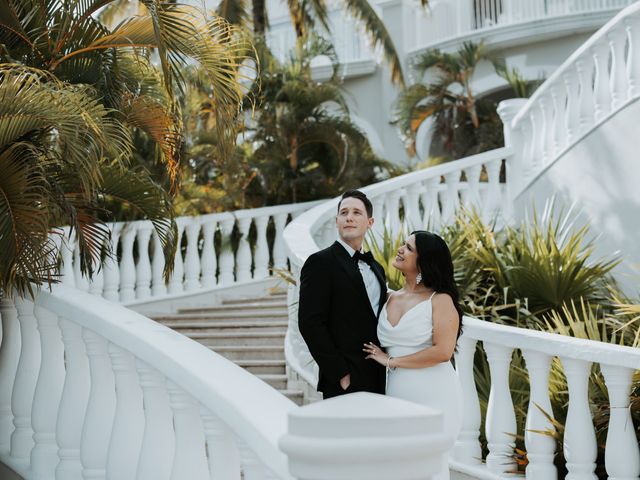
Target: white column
(209, 263)
(73, 404)
(158, 285)
(227, 260)
(584, 68)
(632, 24)
(101, 406)
(261, 257)
(128, 424)
(66, 252)
(279, 250)
(176, 284)
(190, 458)
(392, 206)
(508, 109)
(602, 95)
(559, 126)
(96, 284)
(9, 355)
(252, 467)
(500, 424)
(546, 134)
(111, 269)
(619, 85)
(243, 255)
(156, 455)
(540, 447)
(127, 265)
(192, 258)
(378, 216)
(580, 448)
(81, 282)
(24, 386)
(224, 457)
(622, 454)
(493, 206)
(572, 113)
(412, 207)
(467, 447)
(143, 268)
(44, 456)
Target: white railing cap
(552, 344)
(584, 48)
(249, 407)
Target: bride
(419, 326)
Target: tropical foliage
(74, 94)
(541, 274)
(463, 124)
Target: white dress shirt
(371, 282)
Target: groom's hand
(345, 381)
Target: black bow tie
(366, 257)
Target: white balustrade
(158, 286)
(9, 355)
(209, 263)
(143, 267)
(584, 92)
(176, 282)
(111, 270)
(192, 259)
(223, 453)
(261, 256)
(243, 255)
(127, 266)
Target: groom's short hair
(360, 196)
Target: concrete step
(263, 367)
(279, 382)
(214, 339)
(188, 327)
(297, 396)
(222, 316)
(275, 298)
(250, 352)
(239, 307)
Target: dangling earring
(419, 278)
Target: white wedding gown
(437, 386)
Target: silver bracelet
(388, 367)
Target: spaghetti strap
(432, 295)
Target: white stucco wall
(601, 176)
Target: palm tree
(305, 17)
(73, 92)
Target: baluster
(528, 160)
(572, 114)
(540, 447)
(412, 206)
(328, 232)
(452, 198)
(580, 448)
(279, 250)
(96, 284)
(632, 25)
(546, 134)
(128, 425)
(467, 447)
(500, 426)
(379, 218)
(392, 207)
(433, 217)
(9, 355)
(192, 259)
(190, 458)
(619, 85)
(558, 126)
(261, 257)
(127, 266)
(25, 382)
(622, 455)
(143, 268)
(252, 467)
(111, 269)
(158, 286)
(67, 272)
(209, 263)
(227, 260)
(158, 442)
(586, 109)
(46, 401)
(243, 256)
(175, 282)
(101, 407)
(473, 186)
(602, 95)
(81, 281)
(73, 404)
(493, 202)
(224, 457)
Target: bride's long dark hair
(436, 267)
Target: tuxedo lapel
(377, 269)
(352, 271)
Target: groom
(341, 293)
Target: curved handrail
(217, 383)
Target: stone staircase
(248, 331)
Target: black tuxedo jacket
(336, 319)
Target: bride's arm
(445, 332)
